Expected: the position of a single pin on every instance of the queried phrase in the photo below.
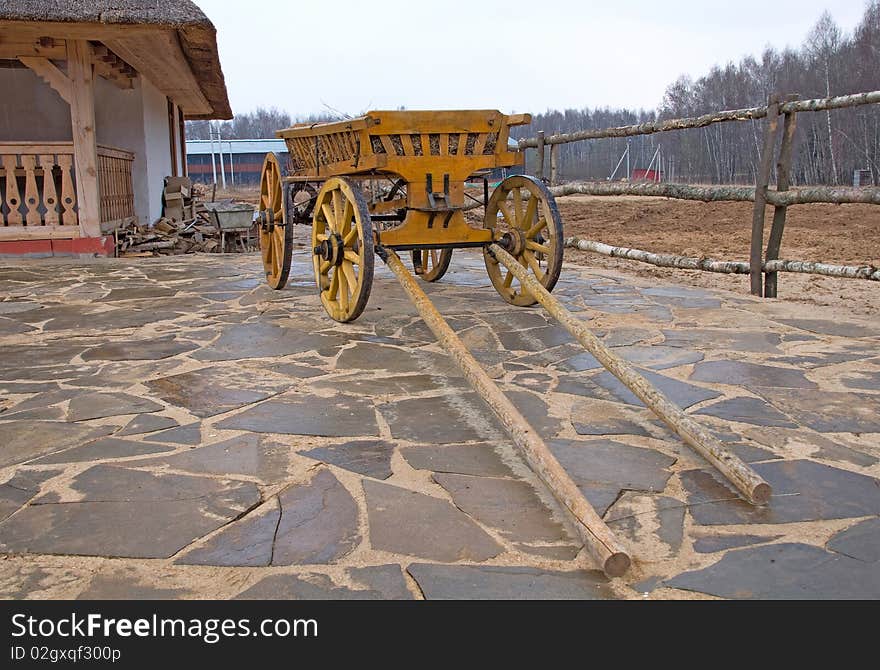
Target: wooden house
(93, 98)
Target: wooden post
(783, 181)
(554, 164)
(85, 150)
(539, 168)
(756, 262)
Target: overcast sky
(517, 56)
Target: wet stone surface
(173, 428)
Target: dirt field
(846, 234)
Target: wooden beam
(48, 72)
(26, 30)
(85, 149)
(13, 46)
(159, 57)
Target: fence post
(554, 164)
(539, 168)
(756, 263)
(783, 181)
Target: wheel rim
(431, 264)
(523, 212)
(276, 238)
(342, 246)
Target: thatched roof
(198, 37)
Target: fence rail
(763, 265)
(38, 189)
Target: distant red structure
(640, 174)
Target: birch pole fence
(762, 267)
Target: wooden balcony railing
(38, 189)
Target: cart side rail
(403, 142)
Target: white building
(94, 97)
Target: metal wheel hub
(332, 249)
(267, 219)
(513, 241)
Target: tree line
(829, 146)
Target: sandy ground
(846, 234)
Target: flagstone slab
(861, 541)
(744, 409)
(827, 411)
(376, 582)
(190, 434)
(20, 488)
(508, 505)
(802, 491)
(134, 350)
(319, 522)
(451, 418)
(479, 459)
(106, 448)
(110, 516)
(259, 339)
(371, 458)
(651, 525)
(741, 373)
(137, 293)
(724, 339)
(246, 542)
(411, 523)
(709, 544)
(370, 356)
(300, 414)
(658, 356)
(147, 423)
(608, 387)
(246, 455)
(123, 586)
(390, 385)
(608, 462)
(787, 571)
(211, 391)
(25, 440)
(862, 379)
(485, 582)
(87, 406)
(828, 327)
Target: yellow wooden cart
(397, 179)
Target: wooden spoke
(533, 264)
(528, 210)
(531, 208)
(537, 228)
(534, 246)
(276, 238)
(341, 213)
(431, 264)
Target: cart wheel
(523, 213)
(276, 237)
(431, 264)
(342, 244)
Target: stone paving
(172, 428)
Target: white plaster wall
(135, 120)
(119, 123)
(156, 146)
(30, 110)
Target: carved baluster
(68, 192)
(50, 194)
(31, 194)
(13, 199)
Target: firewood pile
(167, 237)
(188, 225)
